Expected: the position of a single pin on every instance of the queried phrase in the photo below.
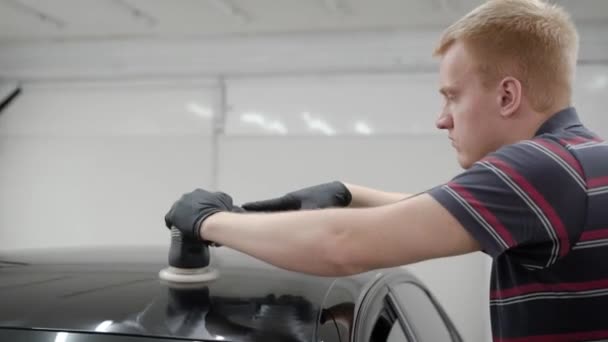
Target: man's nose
(444, 121)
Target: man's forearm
(302, 241)
(363, 197)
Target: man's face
(471, 113)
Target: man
(532, 196)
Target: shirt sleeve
(527, 200)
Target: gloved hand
(189, 212)
(334, 194)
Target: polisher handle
(187, 253)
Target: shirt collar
(561, 120)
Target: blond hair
(531, 40)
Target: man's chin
(465, 162)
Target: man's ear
(509, 96)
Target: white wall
(100, 162)
(591, 97)
(401, 50)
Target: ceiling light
(317, 124)
(260, 120)
(362, 128)
(202, 111)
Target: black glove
(189, 212)
(334, 194)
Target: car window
(420, 313)
(382, 327)
(396, 334)
(399, 308)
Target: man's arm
(337, 242)
(363, 197)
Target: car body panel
(118, 290)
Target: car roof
(117, 290)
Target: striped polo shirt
(539, 208)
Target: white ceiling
(33, 20)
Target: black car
(115, 295)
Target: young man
(533, 193)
